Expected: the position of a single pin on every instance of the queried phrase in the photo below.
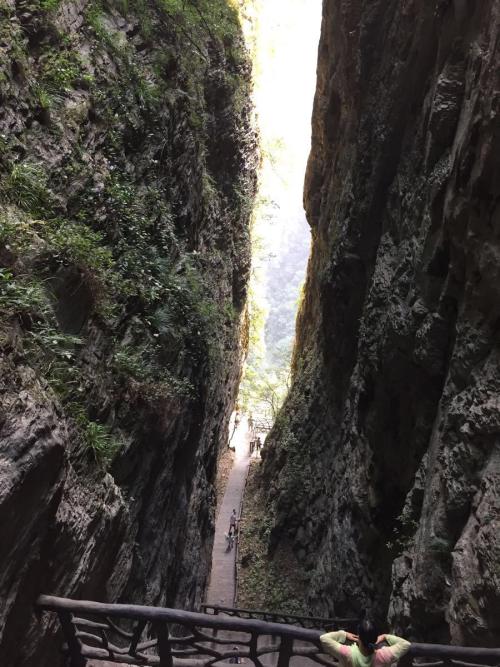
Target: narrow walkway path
(221, 590)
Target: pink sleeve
(331, 644)
(384, 656)
(397, 648)
(344, 652)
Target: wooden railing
(136, 635)
(311, 622)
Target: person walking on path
(233, 522)
(364, 652)
(229, 541)
(235, 659)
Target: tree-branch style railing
(136, 635)
(311, 622)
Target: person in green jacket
(364, 652)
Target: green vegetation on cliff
(276, 584)
(107, 184)
(127, 175)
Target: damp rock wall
(127, 167)
(383, 468)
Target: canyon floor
(222, 588)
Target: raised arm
(397, 645)
(396, 649)
(333, 643)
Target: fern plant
(26, 186)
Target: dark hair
(368, 634)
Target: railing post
(252, 648)
(216, 613)
(161, 630)
(136, 637)
(74, 644)
(286, 650)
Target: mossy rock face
(127, 174)
(267, 580)
(387, 442)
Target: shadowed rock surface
(383, 467)
(127, 166)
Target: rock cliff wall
(127, 165)
(384, 465)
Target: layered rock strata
(127, 165)
(384, 464)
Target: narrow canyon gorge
(129, 162)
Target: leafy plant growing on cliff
(143, 364)
(93, 17)
(60, 70)
(26, 186)
(22, 295)
(102, 445)
(54, 354)
(97, 438)
(219, 19)
(79, 246)
(403, 534)
(43, 97)
(49, 5)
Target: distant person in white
(232, 523)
